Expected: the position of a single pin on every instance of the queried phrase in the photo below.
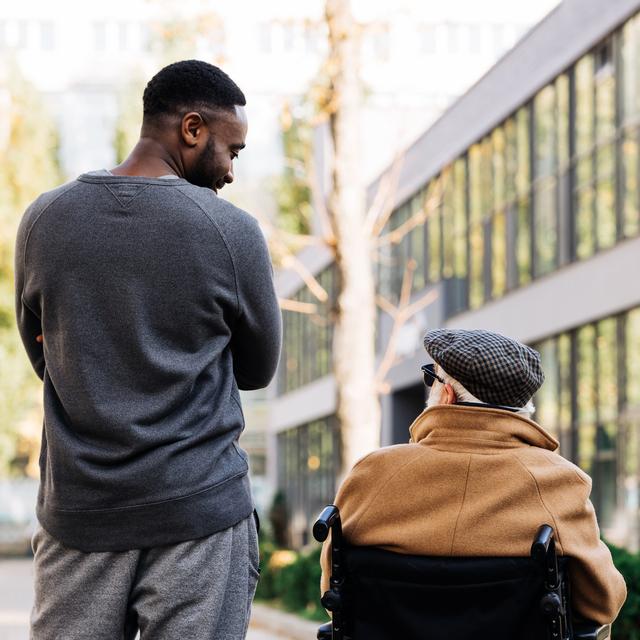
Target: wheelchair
(377, 594)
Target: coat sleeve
(352, 500)
(28, 319)
(598, 590)
(257, 334)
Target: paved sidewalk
(16, 596)
(282, 625)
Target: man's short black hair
(190, 85)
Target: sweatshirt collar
(456, 421)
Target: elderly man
(479, 476)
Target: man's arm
(28, 320)
(598, 591)
(353, 499)
(257, 334)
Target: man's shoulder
(45, 200)
(389, 457)
(215, 206)
(543, 463)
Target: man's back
(156, 301)
(479, 482)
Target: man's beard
(203, 172)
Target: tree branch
(299, 307)
(431, 203)
(383, 204)
(290, 261)
(400, 314)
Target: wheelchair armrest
(325, 632)
(591, 631)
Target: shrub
(291, 580)
(627, 625)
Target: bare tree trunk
(354, 348)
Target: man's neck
(149, 159)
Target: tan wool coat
(479, 481)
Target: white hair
(463, 395)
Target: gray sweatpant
(196, 590)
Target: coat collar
(501, 427)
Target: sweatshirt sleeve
(257, 334)
(598, 590)
(28, 319)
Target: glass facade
(308, 465)
(591, 402)
(308, 337)
(556, 182)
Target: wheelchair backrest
(391, 595)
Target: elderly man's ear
(447, 395)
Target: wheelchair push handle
(330, 517)
(542, 541)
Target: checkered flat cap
(494, 368)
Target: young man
(479, 476)
(145, 302)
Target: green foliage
(292, 189)
(298, 584)
(266, 585)
(627, 625)
(129, 119)
(294, 585)
(29, 166)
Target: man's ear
(191, 129)
(448, 395)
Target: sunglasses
(430, 375)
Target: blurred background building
(535, 175)
(71, 78)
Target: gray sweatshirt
(156, 302)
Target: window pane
(524, 242)
(523, 177)
(417, 251)
(499, 255)
(607, 370)
(510, 160)
(605, 88)
(476, 235)
(562, 104)
(606, 434)
(629, 435)
(546, 167)
(631, 70)
(630, 167)
(434, 206)
(605, 204)
(498, 162)
(546, 400)
(460, 218)
(584, 105)
(545, 131)
(565, 394)
(585, 215)
(632, 359)
(546, 231)
(586, 418)
(486, 172)
(447, 223)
